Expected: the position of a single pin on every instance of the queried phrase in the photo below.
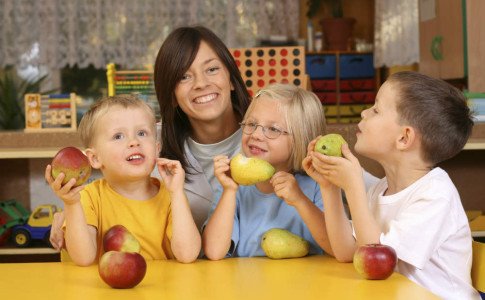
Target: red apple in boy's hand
(118, 238)
(73, 163)
(122, 270)
(375, 261)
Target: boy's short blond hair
(87, 126)
(304, 117)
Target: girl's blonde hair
(88, 125)
(304, 117)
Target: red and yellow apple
(118, 238)
(73, 163)
(122, 270)
(375, 261)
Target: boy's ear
(406, 138)
(93, 159)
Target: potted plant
(12, 91)
(336, 29)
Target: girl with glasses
(277, 127)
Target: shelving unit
(345, 82)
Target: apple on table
(375, 261)
(121, 266)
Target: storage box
(356, 66)
(321, 66)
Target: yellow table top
(314, 277)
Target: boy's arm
(346, 173)
(80, 237)
(185, 235)
(338, 225)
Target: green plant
(335, 7)
(12, 91)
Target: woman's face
(204, 92)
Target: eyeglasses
(271, 132)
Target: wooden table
(314, 277)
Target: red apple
(73, 163)
(375, 261)
(118, 238)
(122, 270)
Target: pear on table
(280, 243)
(250, 170)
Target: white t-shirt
(427, 226)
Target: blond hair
(304, 117)
(87, 126)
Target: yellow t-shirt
(150, 221)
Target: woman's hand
(222, 171)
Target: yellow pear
(250, 170)
(330, 144)
(280, 243)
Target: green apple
(280, 243)
(250, 170)
(330, 144)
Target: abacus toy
(261, 66)
(138, 82)
(56, 112)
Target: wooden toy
(139, 82)
(56, 112)
(261, 66)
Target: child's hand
(344, 171)
(172, 173)
(286, 187)
(310, 170)
(221, 171)
(66, 192)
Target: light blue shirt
(257, 212)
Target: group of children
(415, 123)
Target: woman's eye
(185, 77)
(213, 69)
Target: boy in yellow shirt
(119, 135)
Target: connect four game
(265, 65)
(56, 112)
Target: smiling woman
(202, 99)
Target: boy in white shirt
(416, 123)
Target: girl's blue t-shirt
(257, 213)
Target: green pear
(280, 243)
(330, 144)
(250, 170)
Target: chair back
(478, 266)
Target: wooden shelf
(47, 152)
(26, 251)
(475, 144)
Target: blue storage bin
(356, 66)
(321, 66)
